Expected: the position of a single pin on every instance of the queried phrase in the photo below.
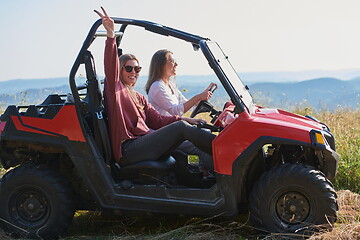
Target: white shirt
(167, 103)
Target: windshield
(231, 75)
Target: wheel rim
(29, 206)
(292, 207)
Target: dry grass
(91, 225)
(179, 227)
(349, 205)
(341, 232)
(348, 224)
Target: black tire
(293, 199)
(35, 202)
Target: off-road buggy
(271, 163)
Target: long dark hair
(156, 70)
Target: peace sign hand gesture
(107, 22)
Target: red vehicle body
(273, 123)
(271, 163)
(64, 124)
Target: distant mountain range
(319, 93)
(19, 85)
(323, 93)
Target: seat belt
(96, 109)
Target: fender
(237, 137)
(65, 123)
(248, 167)
(37, 140)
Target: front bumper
(325, 151)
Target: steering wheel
(203, 105)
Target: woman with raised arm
(131, 118)
(168, 100)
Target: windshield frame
(237, 90)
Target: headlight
(317, 138)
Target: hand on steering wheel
(204, 105)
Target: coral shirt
(126, 120)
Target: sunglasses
(130, 68)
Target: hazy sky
(41, 39)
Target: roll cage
(198, 42)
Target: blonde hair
(122, 61)
(156, 70)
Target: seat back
(52, 99)
(96, 115)
(32, 111)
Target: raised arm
(111, 61)
(107, 22)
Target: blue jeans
(164, 141)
